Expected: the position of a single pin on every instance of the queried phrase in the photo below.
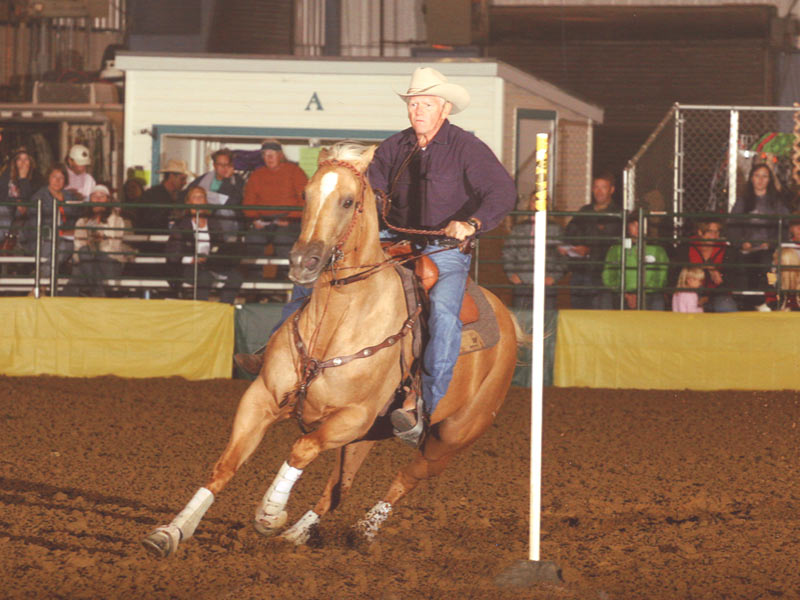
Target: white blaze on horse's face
(326, 187)
(329, 207)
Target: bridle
(358, 209)
(337, 253)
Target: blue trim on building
(255, 132)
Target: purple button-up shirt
(455, 177)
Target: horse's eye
(347, 202)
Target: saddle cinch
(428, 274)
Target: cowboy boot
(410, 426)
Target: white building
(186, 106)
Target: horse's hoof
(269, 525)
(304, 530)
(163, 542)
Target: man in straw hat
(176, 173)
(439, 177)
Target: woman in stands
(99, 252)
(706, 250)
(756, 238)
(67, 211)
(17, 185)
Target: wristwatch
(475, 223)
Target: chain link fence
(698, 157)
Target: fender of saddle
(427, 272)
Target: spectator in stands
(158, 219)
(99, 252)
(656, 266)
(67, 211)
(706, 250)
(789, 289)
(686, 300)
(756, 238)
(132, 190)
(17, 185)
(794, 229)
(591, 234)
(79, 181)
(277, 183)
(132, 194)
(197, 248)
(518, 251)
(224, 187)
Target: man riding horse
(438, 177)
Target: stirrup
(415, 436)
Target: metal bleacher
(137, 285)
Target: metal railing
(38, 240)
(158, 279)
(671, 242)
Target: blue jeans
(444, 323)
(299, 294)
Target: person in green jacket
(655, 269)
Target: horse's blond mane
(346, 151)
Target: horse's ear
(366, 157)
(323, 155)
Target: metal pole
(629, 186)
(640, 294)
(38, 253)
(677, 172)
(54, 247)
(626, 243)
(196, 227)
(733, 148)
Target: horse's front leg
(348, 461)
(339, 429)
(256, 412)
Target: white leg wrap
(300, 532)
(188, 519)
(372, 521)
(277, 495)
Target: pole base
(527, 573)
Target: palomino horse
(336, 364)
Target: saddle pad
(483, 333)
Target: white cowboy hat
(176, 166)
(101, 189)
(426, 81)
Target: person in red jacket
(278, 183)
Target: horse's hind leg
(406, 480)
(348, 461)
(454, 434)
(257, 410)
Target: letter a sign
(315, 102)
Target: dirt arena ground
(645, 495)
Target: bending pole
(526, 573)
(537, 351)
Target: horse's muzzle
(306, 261)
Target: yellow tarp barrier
(675, 351)
(86, 337)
